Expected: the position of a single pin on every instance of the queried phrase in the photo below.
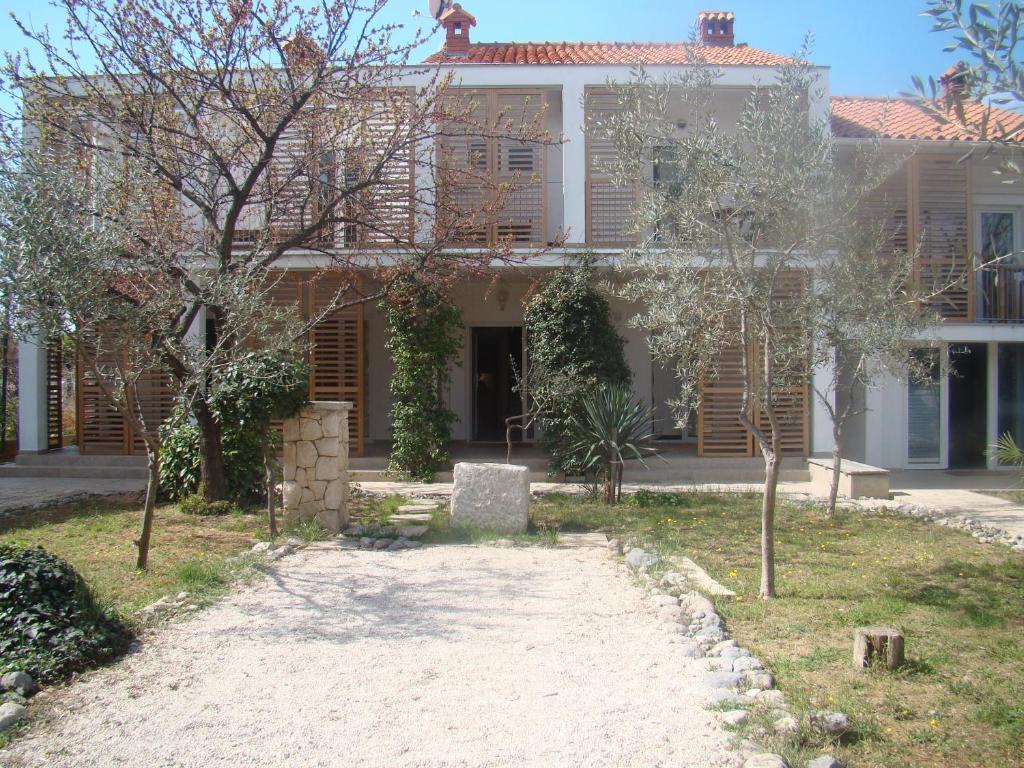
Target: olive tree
(730, 221)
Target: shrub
(196, 504)
(424, 340)
(574, 347)
(50, 624)
(179, 460)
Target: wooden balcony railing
(1000, 294)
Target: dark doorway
(497, 354)
(968, 405)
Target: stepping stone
(411, 518)
(412, 531)
(418, 507)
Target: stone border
(737, 681)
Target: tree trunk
(268, 479)
(837, 465)
(152, 486)
(771, 482)
(211, 452)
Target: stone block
(318, 487)
(494, 497)
(328, 468)
(305, 454)
(334, 496)
(292, 494)
(310, 429)
(327, 446)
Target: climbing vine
(574, 349)
(424, 338)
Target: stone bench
(856, 480)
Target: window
(924, 411)
(1000, 277)
(997, 238)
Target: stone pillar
(316, 465)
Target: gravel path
(443, 656)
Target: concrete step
(74, 471)
(71, 458)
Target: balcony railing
(1000, 294)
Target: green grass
(1016, 496)
(188, 553)
(960, 699)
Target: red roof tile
(608, 53)
(861, 118)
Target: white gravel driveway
(442, 656)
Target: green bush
(179, 460)
(574, 347)
(246, 396)
(196, 504)
(424, 339)
(50, 624)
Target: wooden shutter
(520, 164)
(719, 430)
(336, 356)
(467, 167)
(942, 228)
(54, 396)
(609, 205)
(293, 194)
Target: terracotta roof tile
(861, 118)
(608, 53)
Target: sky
(871, 46)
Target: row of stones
(16, 688)
(735, 678)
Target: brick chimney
(456, 23)
(954, 83)
(716, 27)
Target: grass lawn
(960, 699)
(1017, 497)
(190, 553)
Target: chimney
(456, 23)
(954, 83)
(716, 27)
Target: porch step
(101, 472)
(703, 474)
(68, 457)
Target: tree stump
(882, 644)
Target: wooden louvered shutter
(388, 214)
(719, 430)
(791, 403)
(101, 429)
(609, 205)
(942, 226)
(522, 218)
(154, 399)
(294, 195)
(467, 167)
(336, 356)
(54, 395)
(887, 205)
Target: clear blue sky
(872, 46)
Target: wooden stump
(883, 644)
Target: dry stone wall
(316, 465)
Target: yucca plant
(1006, 451)
(613, 428)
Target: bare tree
(271, 129)
(731, 220)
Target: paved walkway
(441, 656)
(18, 493)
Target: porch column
(32, 426)
(821, 424)
(992, 403)
(874, 430)
(574, 162)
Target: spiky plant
(613, 428)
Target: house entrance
(968, 405)
(497, 354)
